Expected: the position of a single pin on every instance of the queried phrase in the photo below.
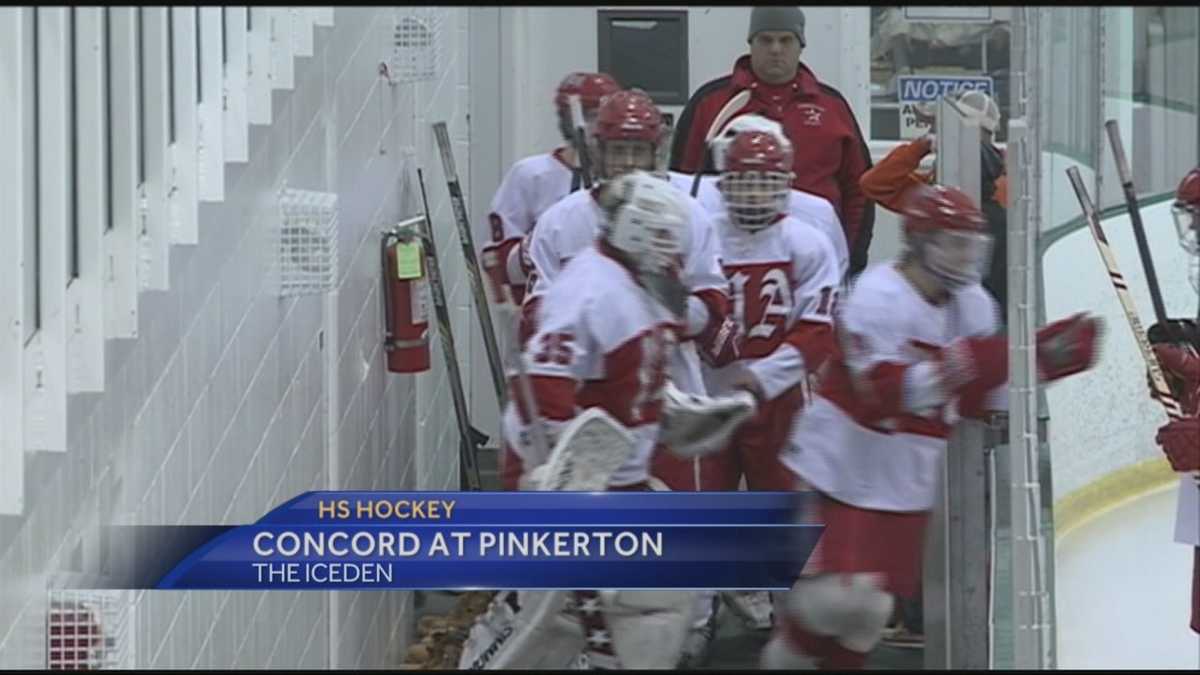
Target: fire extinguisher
(406, 318)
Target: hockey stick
(1157, 379)
(468, 435)
(1170, 328)
(482, 310)
(541, 442)
(726, 113)
(1135, 215)
(579, 139)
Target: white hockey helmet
(647, 221)
(980, 107)
(750, 122)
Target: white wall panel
(125, 126)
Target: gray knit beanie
(777, 18)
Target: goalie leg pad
(851, 608)
(648, 627)
(540, 636)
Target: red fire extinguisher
(406, 319)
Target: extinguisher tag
(408, 260)
(420, 311)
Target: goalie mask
(1186, 211)
(719, 146)
(947, 234)
(626, 133)
(590, 88)
(647, 223)
(756, 180)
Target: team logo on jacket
(812, 114)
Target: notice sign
(919, 93)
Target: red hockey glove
(974, 365)
(719, 343)
(1067, 347)
(1180, 440)
(1180, 361)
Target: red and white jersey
(572, 225)
(782, 278)
(805, 207)
(601, 341)
(531, 186)
(893, 463)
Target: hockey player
(535, 183)
(603, 337)
(626, 134)
(785, 277)
(889, 181)
(1180, 439)
(627, 128)
(918, 351)
(806, 207)
(802, 206)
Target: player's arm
(543, 249)
(509, 219)
(896, 174)
(556, 358)
(809, 341)
(708, 306)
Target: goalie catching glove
(589, 451)
(698, 425)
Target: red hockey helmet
(628, 115)
(627, 132)
(589, 87)
(948, 234)
(941, 207)
(756, 182)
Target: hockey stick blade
(467, 448)
(1157, 378)
(463, 223)
(1135, 216)
(725, 114)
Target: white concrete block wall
(220, 409)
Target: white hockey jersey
(805, 207)
(601, 341)
(530, 187)
(892, 464)
(779, 277)
(573, 224)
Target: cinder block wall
(233, 399)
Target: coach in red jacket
(830, 153)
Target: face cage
(1187, 226)
(755, 199)
(617, 158)
(956, 258)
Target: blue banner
(489, 540)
